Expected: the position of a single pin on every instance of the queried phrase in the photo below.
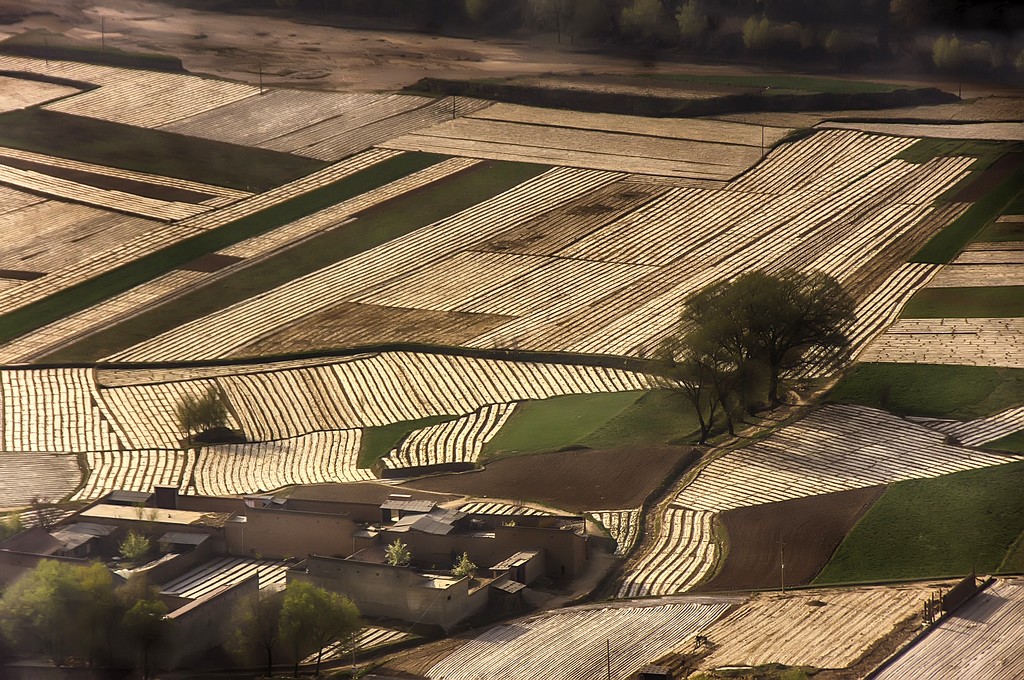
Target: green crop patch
(1002, 231)
(378, 442)
(942, 526)
(373, 227)
(1014, 443)
(939, 303)
(932, 390)
(152, 151)
(658, 417)
(558, 422)
(986, 152)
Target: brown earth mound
(572, 480)
(808, 530)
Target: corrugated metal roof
(409, 506)
(183, 538)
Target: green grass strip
(939, 303)
(1013, 443)
(1002, 231)
(658, 417)
(117, 280)
(951, 240)
(932, 390)
(558, 422)
(943, 526)
(782, 82)
(157, 152)
(924, 150)
(373, 227)
(378, 442)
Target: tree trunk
(270, 663)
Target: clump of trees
(63, 611)
(741, 338)
(202, 414)
(397, 554)
(300, 620)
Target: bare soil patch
(350, 324)
(574, 480)
(808, 530)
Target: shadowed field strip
(47, 477)
(18, 93)
(980, 431)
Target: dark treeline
(967, 36)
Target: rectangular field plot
(979, 275)
(225, 571)
(969, 342)
(833, 449)
(44, 476)
(18, 93)
(573, 644)
(583, 148)
(820, 628)
(253, 468)
(983, 639)
(1009, 132)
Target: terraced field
(18, 93)
(44, 476)
(837, 200)
(819, 628)
(981, 640)
(323, 125)
(980, 431)
(571, 644)
(622, 525)
(834, 448)
(456, 441)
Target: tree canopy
(312, 618)
(742, 337)
(202, 413)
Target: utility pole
(782, 565)
(453, 106)
(261, 76)
(103, 34)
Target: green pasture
(596, 421)
(372, 227)
(1002, 231)
(942, 526)
(938, 303)
(377, 442)
(932, 390)
(157, 152)
(558, 422)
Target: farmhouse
(205, 547)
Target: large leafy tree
(312, 618)
(61, 610)
(257, 626)
(146, 625)
(742, 337)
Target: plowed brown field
(806, 531)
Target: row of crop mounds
(697, 149)
(983, 264)
(141, 98)
(142, 297)
(968, 342)
(323, 125)
(579, 643)
(18, 93)
(837, 200)
(228, 570)
(146, 238)
(304, 418)
(834, 448)
(983, 639)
